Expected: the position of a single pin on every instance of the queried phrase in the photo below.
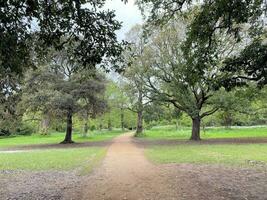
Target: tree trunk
(100, 125)
(68, 137)
(109, 125)
(195, 129)
(86, 127)
(122, 119)
(139, 128)
(45, 124)
(228, 120)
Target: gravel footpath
(52, 185)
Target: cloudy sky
(128, 14)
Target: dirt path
(126, 174)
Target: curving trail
(126, 174)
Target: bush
(4, 132)
(93, 127)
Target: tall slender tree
(134, 75)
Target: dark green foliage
(223, 14)
(31, 29)
(54, 94)
(215, 17)
(161, 11)
(56, 24)
(251, 64)
(160, 111)
(10, 117)
(92, 128)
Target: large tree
(29, 29)
(62, 92)
(232, 17)
(186, 79)
(134, 74)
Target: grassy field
(184, 133)
(226, 154)
(54, 138)
(229, 154)
(54, 159)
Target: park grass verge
(55, 138)
(242, 155)
(209, 133)
(93, 163)
(82, 159)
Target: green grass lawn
(227, 154)
(54, 159)
(184, 133)
(55, 138)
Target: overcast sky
(128, 14)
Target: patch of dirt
(50, 185)
(211, 182)
(146, 142)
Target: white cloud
(128, 14)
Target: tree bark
(195, 129)
(228, 120)
(122, 119)
(45, 124)
(139, 128)
(68, 136)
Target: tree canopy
(213, 17)
(28, 26)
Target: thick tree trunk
(139, 127)
(122, 119)
(68, 136)
(195, 128)
(228, 120)
(45, 124)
